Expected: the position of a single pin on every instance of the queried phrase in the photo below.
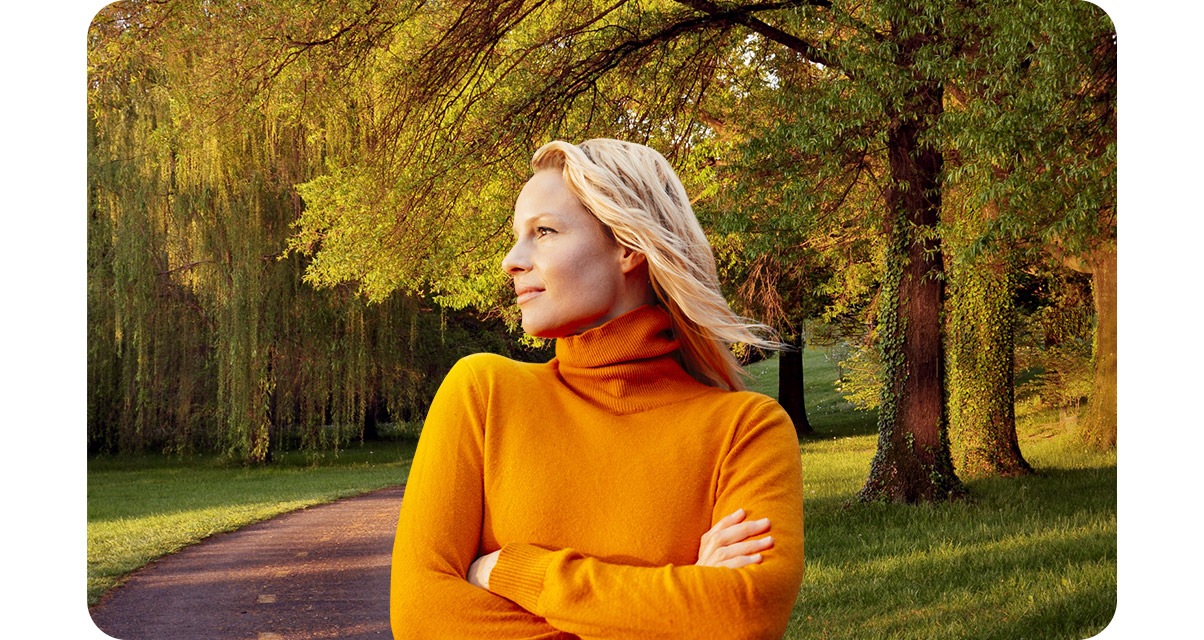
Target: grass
(142, 508)
(1031, 557)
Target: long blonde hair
(634, 192)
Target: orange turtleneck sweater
(596, 474)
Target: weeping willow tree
(203, 334)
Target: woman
(626, 488)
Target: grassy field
(1028, 558)
(1024, 558)
(143, 508)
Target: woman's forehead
(547, 193)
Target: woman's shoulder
(752, 400)
(751, 407)
(491, 368)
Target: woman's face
(569, 274)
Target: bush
(860, 380)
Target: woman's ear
(629, 259)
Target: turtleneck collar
(627, 365)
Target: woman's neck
(628, 364)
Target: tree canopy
(286, 197)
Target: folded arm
(593, 598)
(537, 592)
(439, 530)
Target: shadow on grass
(1018, 560)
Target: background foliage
(296, 208)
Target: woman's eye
(543, 231)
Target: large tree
(981, 329)
(503, 75)
(1035, 134)
(984, 55)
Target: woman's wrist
(481, 568)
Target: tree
(782, 286)
(981, 347)
(1036, 134)
(951, 46)
(884, 64)
(202, 333)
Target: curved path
(321, 572)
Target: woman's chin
(539, 325)
(536, 329)
(548, 331)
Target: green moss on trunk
(981, 348)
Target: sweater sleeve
(760, 473)
(439, 530)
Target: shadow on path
(321, 572)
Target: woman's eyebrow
(537, 218)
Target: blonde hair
(634, 192)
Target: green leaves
(243, 155)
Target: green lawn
(1025, 558)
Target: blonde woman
(628, 488)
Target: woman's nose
(516, 261)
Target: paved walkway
(322, 572)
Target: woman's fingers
(729, 543)
(748, 547)
(739, 531)
(747, 550)
(740, 561)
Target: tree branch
(185, 267)
(742, 16)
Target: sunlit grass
(1031, 557)
(142, 508)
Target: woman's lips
(525, 294)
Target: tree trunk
(981, 347)
(1097, 427)
(913, 462)
(790, 387)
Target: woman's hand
(479, 570)
(728, 543)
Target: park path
(321, 572)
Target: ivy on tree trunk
(912, 463)
(981, 352)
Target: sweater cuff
(519, 573)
